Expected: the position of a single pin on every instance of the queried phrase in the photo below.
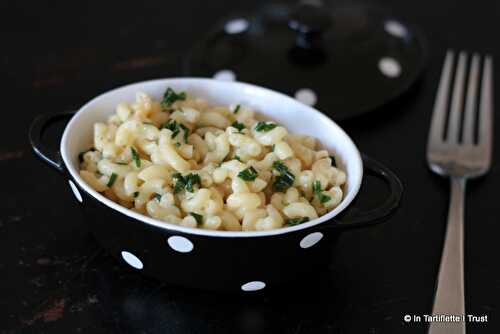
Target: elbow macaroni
(187, 163)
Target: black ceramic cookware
(218, 260)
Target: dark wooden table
(54, 276)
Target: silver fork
(459, 158)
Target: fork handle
(449, 299)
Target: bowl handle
(353, 217)
(37, 128)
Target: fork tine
(486, 108)
(470, 102)
(439, 112)
(456, 102)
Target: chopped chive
(280, 167)
(180, 183)
(283, 182)
(237, 157)
(135, 157)
(112, 179)
(249, 174)
(191, 180)
(185, 182)
(175, 127)
(170, 124)
(273, 147)
(237, 125)
(316, 186)
(121, 163)
(170, 96)
(319, 194)
(157, 197)
(297, 221)
(324, 198)
(186, 132)
(197, 217)
(285, 179)
(237, 109)
(177, 144)
(334, 162)
(264, 127)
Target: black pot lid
(343, 61)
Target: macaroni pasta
(185, 162)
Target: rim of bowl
(199, 231)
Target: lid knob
(310, 20)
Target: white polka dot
(225, 75)
(389, 67)
(395, 28)
(253, 286)
(306, 96)
(180, 244)
(236, 26)
(311, 239)
(75, 191)
(132, 260)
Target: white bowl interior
(295, 116)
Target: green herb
(136, 194)
(170, 96)
(191, 180)
(121, 163)
(334, 162)
(237, 109)
(147, 123)
(297, 221)
(273, 147)
(157, 197)
(177, 144)
(135, 157)
(197, 217)
(186, 132)
(237, 157)
(283, 182)
(248, 174)
(112, 179)
(319, 194)
(237, 125)
(285, 179)
(180, 183)
(264, 127)
(172, 126)
(280, 167)
(185, 182)
(324, 198)
(176, 128)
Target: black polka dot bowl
(218, 260)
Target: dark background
(55, 278)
